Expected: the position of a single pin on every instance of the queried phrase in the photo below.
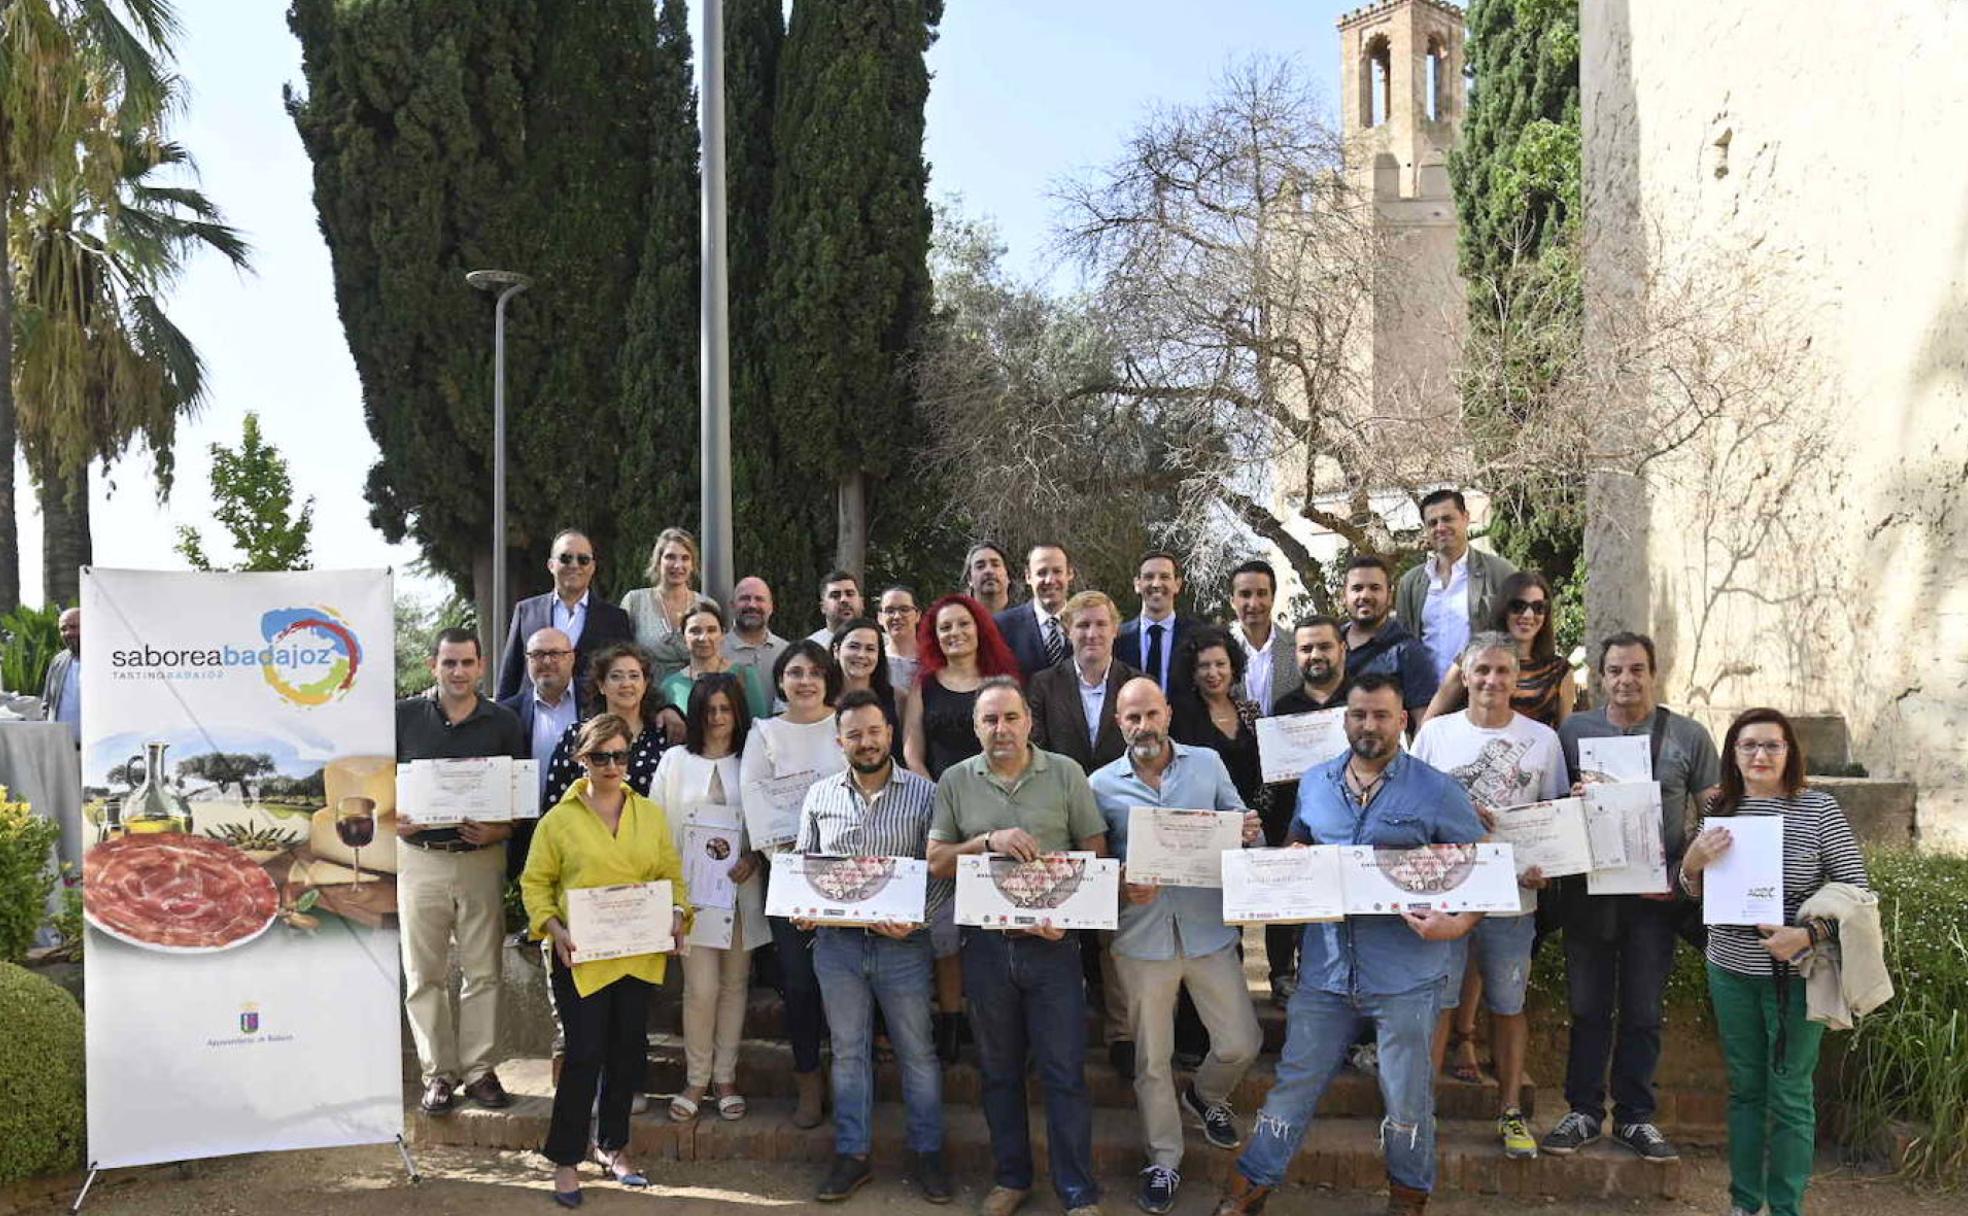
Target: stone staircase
(1341, 1152)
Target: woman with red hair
(959, 647)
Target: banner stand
(402, 1150)
(84, 1192)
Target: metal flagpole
(508, 284)
(714, 400)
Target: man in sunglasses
(572, 607)
(1454, 593)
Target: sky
(1025, 94)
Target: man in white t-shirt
(1503, 759)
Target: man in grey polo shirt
(1624, 944)
(1026, 993)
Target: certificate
(1061, 890)
(1438, 877)
(1175, 848)
(848, 890)
(483, 788)
(621, 921)
(1283, 886)
(772, 807)
(1744, 886)
(1287, 746)
(1605, 831)
(526, 789)
(1618, 758)
(1636, 805)
(1548, 835)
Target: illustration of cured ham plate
(175, 893)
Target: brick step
(765, 1070)
(1343, 1154)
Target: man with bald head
(751, 642)
(1169, 938)
(61, 690)
(545, 710)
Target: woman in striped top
(1770, 1047)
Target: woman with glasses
(899, 617)
(1546, 690)
(705, 770)
(658, 611)
(602, 834)
(621, 678)
(782, 757)
(703, 635)
(1769, 1046)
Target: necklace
(1364, 791)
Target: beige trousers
(439, 897)
(714, 994)
(1117, 1024)
(1216, 983)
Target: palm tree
(52, 54)
(97, 363)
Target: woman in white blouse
(658, 610)
(794, 750)
(715, 979)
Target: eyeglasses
(575, 559)
(607, 759)
(548, 654)
(1771, 748)
(1534, 607)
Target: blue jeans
(856, 969)
(1027, 995)
(1319, 1028)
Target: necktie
(1154, 659)
(1055, 642)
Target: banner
(239, 868)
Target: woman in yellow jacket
(601, 834)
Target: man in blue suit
(1148, 642)
(589, 621)
(1033, 630)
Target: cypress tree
(1516, 179)
(849, 239)
(451, 135)
(656, 482)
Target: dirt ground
(467, 1182)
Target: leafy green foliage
(849, 245)
(44, 1117)
(33, 638)
(225, 769)
(449, 136)
(417, 627)
(26, 877)
(255, 504)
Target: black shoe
(1574, 1132)
(1282, 987)
(949, 1035)
(487, 1092)
(930, 1176)
(1219, 1122)
(1157, 1193)
(1120, 1054)
(1188, 1061)
(848, 1175)
(1646, 1140)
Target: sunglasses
(1534, 607)
(575, 559)
(608, 759)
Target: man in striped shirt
(877, 809)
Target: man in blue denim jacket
(1365, 969)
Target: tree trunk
(9, 429)
(65, 544)
(851, 530)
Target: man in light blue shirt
(1384, 971)
(1171, 937)
(61, 690)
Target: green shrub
(32, 639)
(26, 877)
(43, 1119)
(1907, 1063)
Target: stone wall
(1820, 563)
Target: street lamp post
(507, 283)
(714, 398)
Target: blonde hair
(599, 730)
(1085, 600)
(654, 570)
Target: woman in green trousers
(1768, 1044)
